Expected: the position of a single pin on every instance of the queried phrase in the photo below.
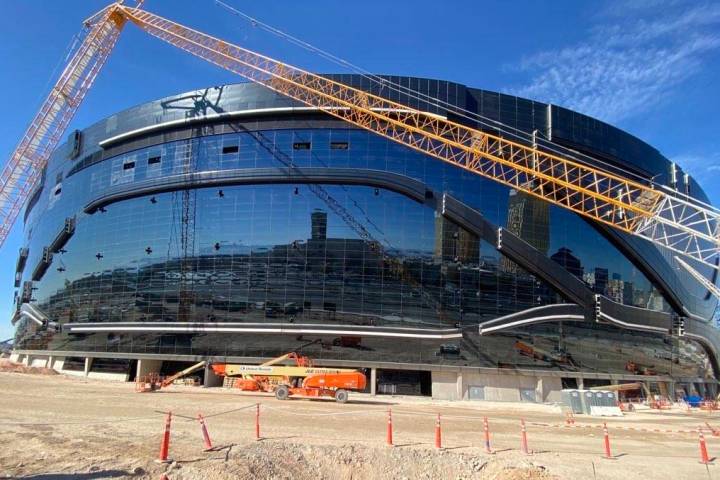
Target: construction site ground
(58, 427)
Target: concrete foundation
(447, 383)
(468, 385)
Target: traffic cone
(608, 455)
(165, 444)
(569, 418)
(206, 436)
(704, 459)
(523, 438)
(389, 429)
(438, 433)
(486, 429)
(257, 421)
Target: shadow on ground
(100, 474)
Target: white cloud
(626, 67)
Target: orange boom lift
(301, 379)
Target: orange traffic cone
(389, 429)
(257, 421)
(165, 443)
(486, 429)
(523, 438)
(206, 436)
(608, 455)
(438, 433)
(704, 458)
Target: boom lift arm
(677, 223)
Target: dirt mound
(12, 367)
(310, 462)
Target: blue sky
(647, 66)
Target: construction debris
(12, 367)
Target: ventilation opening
(339, 145)
(404, 382)
(128, 166)
(301, 146)
(153, 160)
(230, 149)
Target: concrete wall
(496, 388)
(148, 366)
(113, 377)
(445, 386)
(57, 363)
(39, 362)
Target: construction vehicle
(540, 168)
(302, 379)
(154, 381)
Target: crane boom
(677, 223)
(24, 170)
(673, 222)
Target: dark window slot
(301, 146)
(22, 260)
(153, 160)
(339, 145)
(128, 165)
(230, 149)
(76, 141)
(58, 191)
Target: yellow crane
(668, 219)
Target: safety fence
(261, 411)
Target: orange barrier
(206, 436)
(165, 443)
(438, 433)
(523, 438)
(389, 439)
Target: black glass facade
(199, 234)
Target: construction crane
(670, 220)
(302, 379)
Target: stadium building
(233, 224)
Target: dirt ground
(59, 427)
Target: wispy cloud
(628, 65)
